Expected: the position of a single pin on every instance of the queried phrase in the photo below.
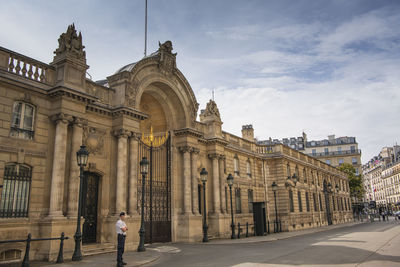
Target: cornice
(71, 93)
(188, 132)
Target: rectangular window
(22, 120)
(199, 194)
(299, 200)
(339, 150)
(320, 203)
(236, 165)
(354, 161)
(352, 149)
(226, 198)
(238, 201)
(341, 162)
(16, 190)
(307, 202)
(250, 200)
(326, 150)
(291, 201)
(314, 152)
(328, 161)
(315, 202)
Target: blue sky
(325, 67)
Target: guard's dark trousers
(121, 247)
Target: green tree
(355, 181)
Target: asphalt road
(369, 244)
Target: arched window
(22, 121)
(248, 168)
(236, 165)
(16, 189)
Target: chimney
(248, 132)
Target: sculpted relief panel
(94, 140)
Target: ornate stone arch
(174, 92)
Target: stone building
(147, 108)
(333, 151)
(381, 178)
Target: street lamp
(203, 177)
(144, 169)
(337, 188)
(294, 178)
(275, 188)
(82, 158)
(230, 183)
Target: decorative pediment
(70, 43)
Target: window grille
(16, 189)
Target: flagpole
(145, 31)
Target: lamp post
(144, 169)
(203, 177)
(294, 179)
(229, 179)
(82, 156)
(275, 188)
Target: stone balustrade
(24, 66)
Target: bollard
(280, 226)
(238, 236)
(247, 229)
(60, 258)
(268, 227)
(25, 262)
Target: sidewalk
(134, 258)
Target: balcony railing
(335, 153)
(25, 66)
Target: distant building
(333, 151)
(381, 178)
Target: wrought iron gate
(157, 200)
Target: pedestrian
(121, 233)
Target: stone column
(215, 180)
(222, 182)
(73, 183)
(133, 174)
(120, 203)
(195, 197)
(186, 179)
(58, 172)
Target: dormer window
(22, 120)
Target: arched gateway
(155, 87)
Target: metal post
(77, 256)
(141, 247)
(247, 229)
(60, 257)
(238, 230)
(25, 262)
(232, 224)
(276, 214)
(205, 227)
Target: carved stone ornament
(211, 110)
(131, 93)
(94, 140)
(62, 117)
(70, 43)
(167, 62)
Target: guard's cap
(122, 213)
